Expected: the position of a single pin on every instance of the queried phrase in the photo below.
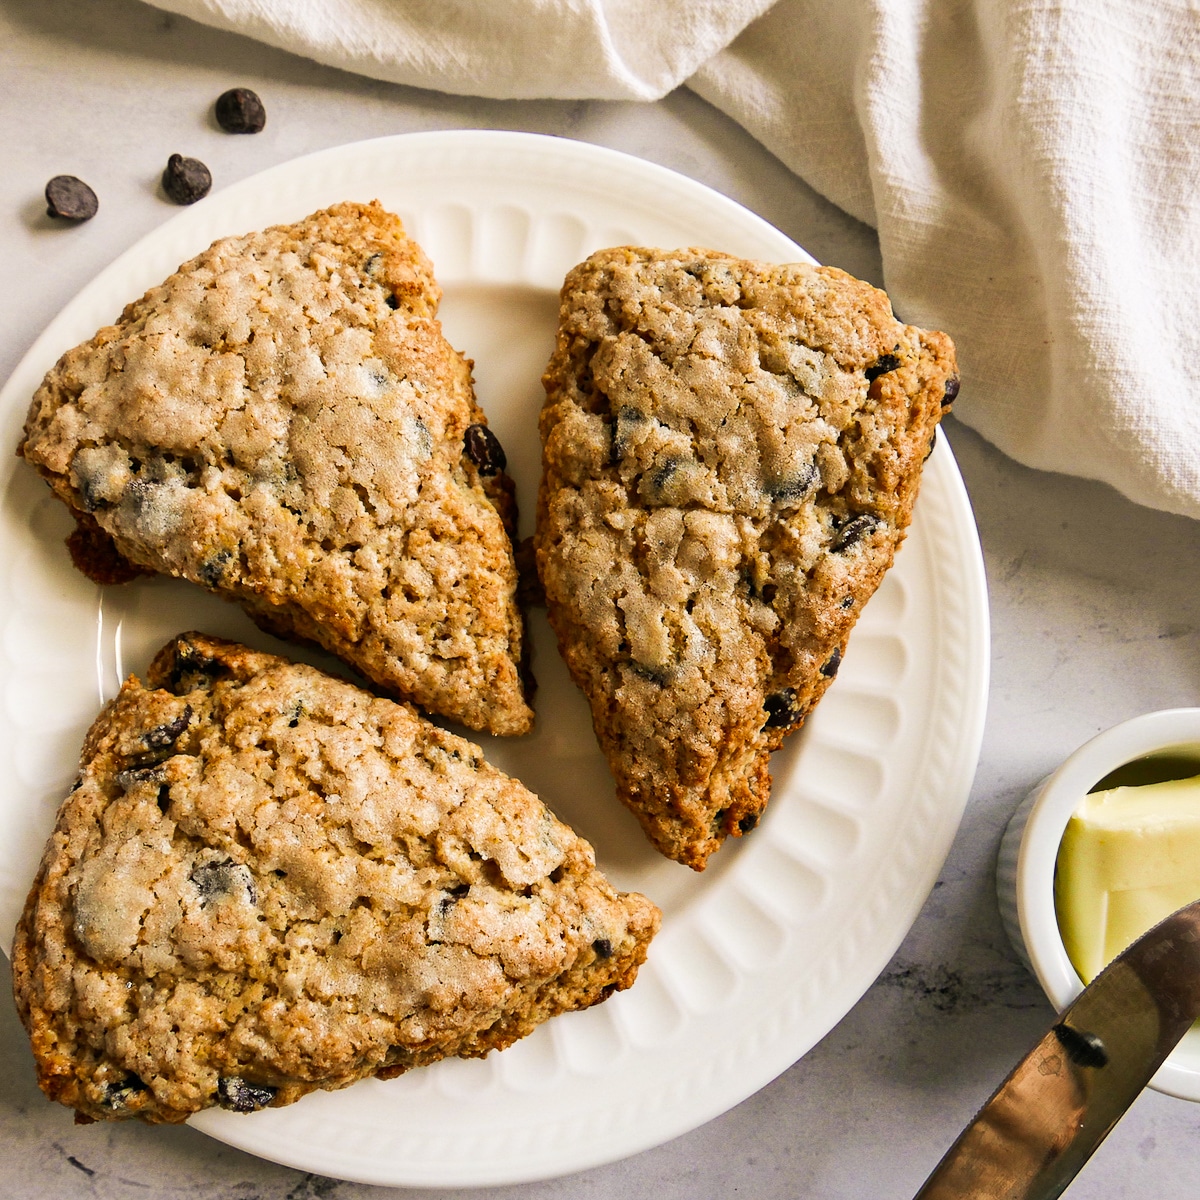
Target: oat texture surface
(283, 422)
(267, 881)
(731, 452)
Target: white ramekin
(1029, 848)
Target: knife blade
(1060, 1102)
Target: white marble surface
(1095, 617)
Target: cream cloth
(1032, 168)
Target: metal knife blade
(1045, 1120)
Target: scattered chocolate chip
(603, 948)
(847, 601)
(166, 735)
(748, 822)
(219, 880)
(391, 301)
(663, 470)
(239, 110)
(237, 1094)
(830, 669)
(191, 669)
(853, 529)
(70, 198)
(164, 797)
(782, 712)
(881, 366)
(186, 180)
(459, 889)
(951, 391)
(484, 450)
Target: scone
(267, 881)
(731, 451)
(283, 422)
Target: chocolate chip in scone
(794, 487)
(483, 448)
(70, 198)
(117, 1095)
(782, 711)
(748, 822)
(830, 668)
(603, 948)
(239, 1095)
(186, 180)
(951, 391)
(881, 366)
(628, 419)
(853, 530)
(162, 736)
(239, 110)
(218, 880)
(212, 570)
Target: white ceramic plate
(758, 957)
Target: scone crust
(282, 422)
(731, 452)
(268, 881)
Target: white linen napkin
(1032, 168)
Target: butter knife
(1045, 1120)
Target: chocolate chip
(881, 366)
(748, 822)
(212, 570)
(603, 948)
(853, 529)
(166, 735)
(186, 180)
(951, 391)
(484, 450)
(235, 1093)
(220, 880)
(118, 1095)
(239, 110)
(164, 797)
(796, 487)
(847, 602)
(70, 198)
(830, 669)
(628, 419)
(128, 779)
(192, 670)
(782, 712)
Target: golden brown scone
(283, 423)
(731, 452)
(267, 881)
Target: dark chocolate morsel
(830, 669)
(748, 822)
(484, 450)
(603, 948)
(69, 197)
(166, 735)
(212, 569)
(239, 110)
(235, 1093)
(951, 391)
(218, 880)
(881, 366)
(118, 1094)
(186, 180)
(853, 529)
(782, 712)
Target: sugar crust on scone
(267, 881)
(731, 452)
(282, 422)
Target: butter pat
(1129, 858)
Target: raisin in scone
(267, 881)
(283, 422)
(731, 451)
